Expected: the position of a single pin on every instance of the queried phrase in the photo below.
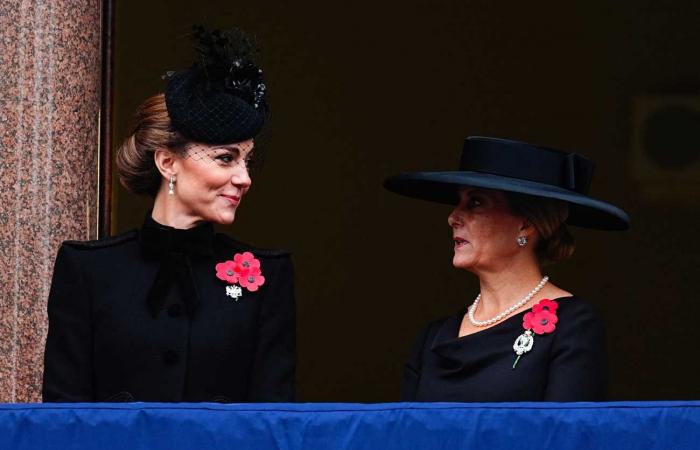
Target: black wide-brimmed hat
(221, 98)
(519, 167)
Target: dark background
(364, 90)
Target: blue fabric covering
(522, 426)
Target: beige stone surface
(49, 109)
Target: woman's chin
(225, 217)
(460, 262)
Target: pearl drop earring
(171, 185)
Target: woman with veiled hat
(523, 338)
(174, 312)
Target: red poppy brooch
(243, 272)
(541, 320)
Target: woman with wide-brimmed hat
(522, 338)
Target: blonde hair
(152, 130)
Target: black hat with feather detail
(221, 98)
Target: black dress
(568, 364)
(143, 317)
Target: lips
(459, 242)
(232, 199)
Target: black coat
(566, 365)
(116, 336)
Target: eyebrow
(235, 148)
(471, 192)
(227, 147)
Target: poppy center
(544, 322)
(251, 279)
(246, 264)
(229, 272)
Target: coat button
(171, 357)
(175, 310)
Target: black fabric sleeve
(578, 364)
(68, 351)
(412, 368)
(272, 378)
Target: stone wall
(49, 111)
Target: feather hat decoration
(221, 98)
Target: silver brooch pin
(235, 292)
(522, 345)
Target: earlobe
(165, 162)
(526, 228)
(526, 231)
(527, 234)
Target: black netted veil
(221, 98)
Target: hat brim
(443, 187)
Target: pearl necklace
(507, 312)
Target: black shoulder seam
(228, 240)
(104, 242)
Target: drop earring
(171, 185)
(522, 241)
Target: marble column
(49, 111)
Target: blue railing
(385, 426)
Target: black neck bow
(174, 248)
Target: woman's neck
(168, 211)
(503, 288)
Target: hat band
(565, 170)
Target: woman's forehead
(493, 195)
(469, 190)
(234, 146)
(199, 149)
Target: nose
(241, 177)
(454, 220)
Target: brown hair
(548, 216)
(135, 158)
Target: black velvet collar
(174, 248)
(157, 239)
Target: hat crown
(513, 166)
(220, 99)
(529, 162)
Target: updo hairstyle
(152, 130)
(548, 216)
